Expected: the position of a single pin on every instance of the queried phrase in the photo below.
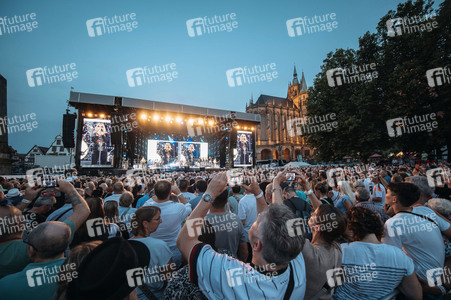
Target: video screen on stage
(96, 147)
(243, 153)
(176, 153)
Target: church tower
(297, 91)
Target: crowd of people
(319, 232)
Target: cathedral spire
(303, 83)
(295, 76)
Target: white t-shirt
(369, 185)
(159, 257)
(114, 197)
(379, 192)
(247, 210)
(172, 215)
(220, 276)
(371, 271)
(419, 238)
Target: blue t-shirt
(195, 201)
(340, 204)
(142, 200)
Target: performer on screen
(243, 150)
(191, 155)
(99, 142)
(168, 155)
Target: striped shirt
(220, 276)
(371, 271)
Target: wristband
(26, 201)
(309, 192)
(259, 195)
(179, 195)
(442, 289)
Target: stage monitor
(96, 150)
(176, 153)
(243, 154)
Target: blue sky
(161, 38)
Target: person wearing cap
(277, 270)
(40, 208)
(45, 246)
(14, 196)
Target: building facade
(275, 135)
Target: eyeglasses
(159, 218)
(25, 239)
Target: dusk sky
(161, 37)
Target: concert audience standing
(149, 194)
(363, 199)
(201, 187)
(118, 189)
(172, 215)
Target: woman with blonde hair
(347, 198)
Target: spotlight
(168, 118)
(245, 128)
(90, 115)
(238, 127)
(200, 121)
(178, 119)
(191, 121)
(211, 123)
(102, 116)
(156, 117)
(253, 128)
(143, 116)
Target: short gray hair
(422, 183)
(442, 206)
(126, 199)
(362, 194)
(278, 246)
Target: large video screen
(96, 147)
(176, 153)
(243, 153)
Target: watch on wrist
(26, 201)
(206, 197)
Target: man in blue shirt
(201, 187)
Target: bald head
(118, 188)
(12, 223)
(50, 239)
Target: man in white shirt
(416, 230)
(277, 270)
(378, 191)
(183, 186)
(118, 189)
(172, 215)
(247, 211)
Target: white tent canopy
(296, 164)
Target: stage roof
(77, 98)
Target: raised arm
(188, 236)
(254, 188)
(79, 205)
(277, 197)
(30, 194)
(307, 187)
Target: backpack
(304, 212)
